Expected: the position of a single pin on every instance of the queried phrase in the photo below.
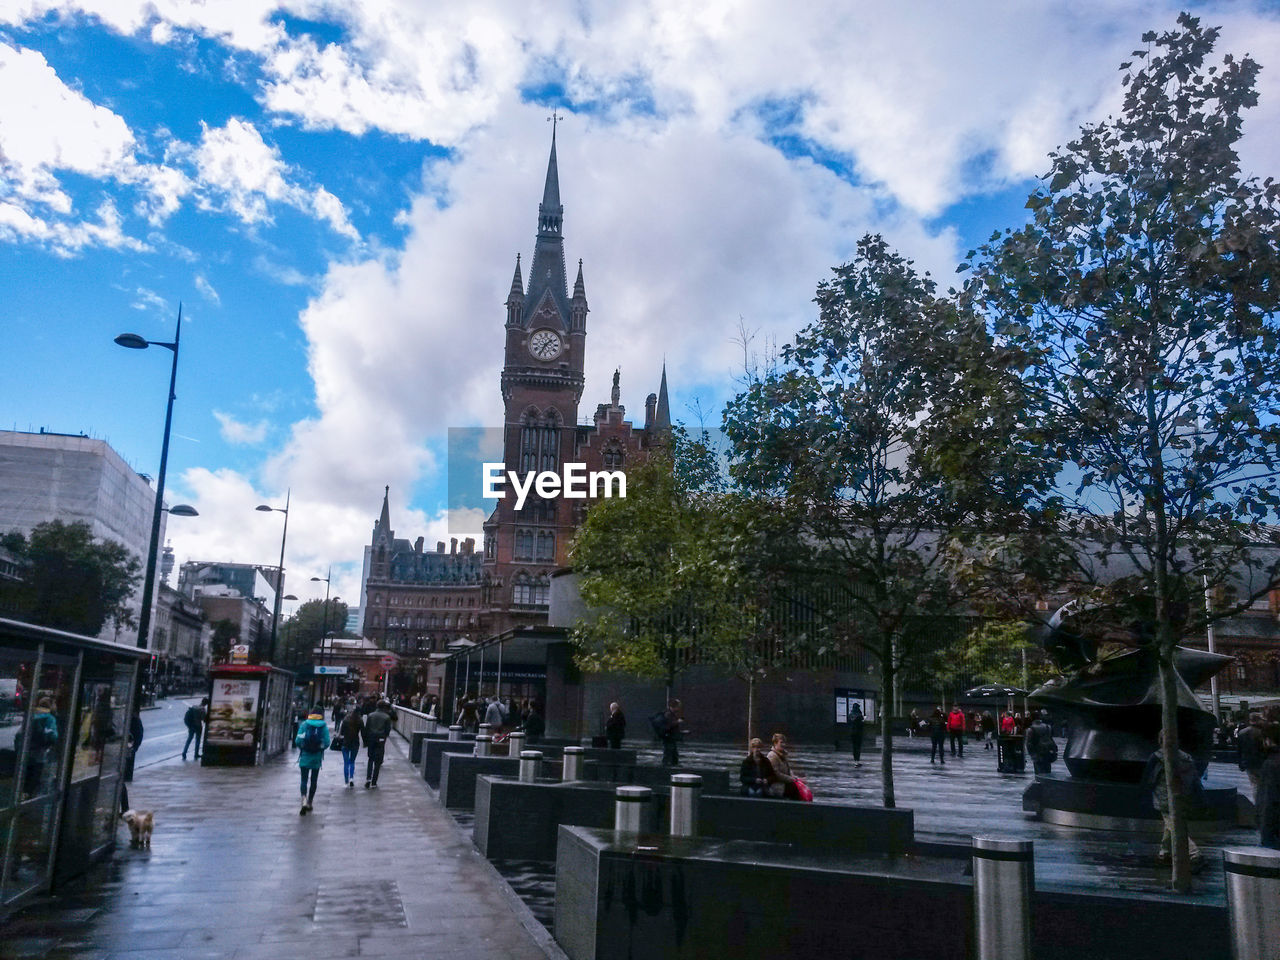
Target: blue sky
(336, 195)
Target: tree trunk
(1181, 879)
(751, 706)
(886, 721)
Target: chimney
(650, 410)
(453, 544)
(439, 546)
(469, 545)
(417, 545)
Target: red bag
(803, 790)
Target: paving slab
(235, 873)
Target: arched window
(546, 546)
(522, 591)
(524, 545)
(612, 457)
(540, 441)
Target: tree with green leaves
(854, 435)
(1140, 305)
(302, 633)
(73, 581)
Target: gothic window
(546, 547)
(524, 545)
(612, 457)
(490, 547)
(522, 591)
(540, 441)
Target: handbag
(803, 790)
(336, 744)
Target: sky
(335, 193)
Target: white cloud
(207, 290)
(239, 171)
(66, 239)
(236, 432)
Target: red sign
(388, 662)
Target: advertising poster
(233, 712)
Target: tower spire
(384, 520)
(662, 416)
(547, 272)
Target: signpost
(388, 662)
(328, 670)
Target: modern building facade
(55, 476)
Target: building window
(524, 545)
(540, 441)
(490, 547)
(546, 546)
(613, 456)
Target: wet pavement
(234, 873)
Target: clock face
(545, 344)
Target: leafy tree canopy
(73, 581)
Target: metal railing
(407, 722)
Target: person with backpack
(1040, 744)
(41, 749)
(195, 718)
(856, 721)
(1186, 782)
(377, 727)
(937, 735)
(312, 741)
(349, 732)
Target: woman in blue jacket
(312, 742)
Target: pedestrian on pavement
(339, 710)
(670, 734)
(1249, 747)
(534, 725)
(756, 773)
(988, 730)
(1269, 788)
(1186, 783)
(1008, 726)
(937, 735)
(615, 726)
(195, 719)
(377, 727)
(494, 715)
(312, 741)
(955, 727)
(1040, 746)
(136, 732)
(913, 723)
(299, 718)
(350, 730)
(856, 720)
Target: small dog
(140, 823)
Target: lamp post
(275, 618)
(324, 623)
(134, 342)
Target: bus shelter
(249, 717)
(65, 703)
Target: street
(163, 733)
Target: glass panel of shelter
(43, 748)
(17, 681)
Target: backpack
(42, 732)
(313, 738)
(193, 718)
(658, 722)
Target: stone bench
(519, 821)
(666, 898)
(434, 750)
(458, 773)
(620, 769)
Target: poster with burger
(233, 712)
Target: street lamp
(324, 623)
(275, 618)
(134, 342)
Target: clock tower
(542, 381)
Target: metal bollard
(482, 744)
(530, 765)
(483, 728)
(455, 732)
(572, 764)
(429, 726)
(515, 744)
(1253, 902)
(630, 804)
(685, 790)
(1003, 879)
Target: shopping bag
(803, 790)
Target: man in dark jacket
(756, 773)
(1186, 782)
(856, 720)
(1040, 746)
(615, 728)
(671, 734)
(1249, 746)
(1268, 785)
(194, 720)
(377, 727)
